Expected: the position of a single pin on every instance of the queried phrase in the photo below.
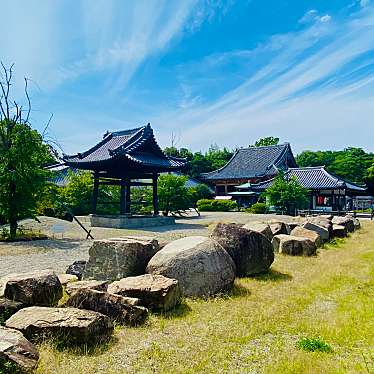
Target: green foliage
(7, 367)
(269, 140)
(287, 195)
(23, 178)
(200, 191)
(257, 208)
(313, 345)
(172, 193)
(207, 205)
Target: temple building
(125, 158)
(327, 191)
(250, 165)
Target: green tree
(198, 192)
(287, 195)
(23, 155)
(269, 140)
(172, 193)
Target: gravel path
(65, 248)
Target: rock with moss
(39, 288)
(251, 251)
(200, 264)
(77, 268)
(155, 292)
(17, 354)
(70, 326)
(279, 228)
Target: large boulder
(16, 352)
(293, 245)
(200, 264)
(356, 223)
(116, 307)
(251, 251)
(40, 288)
(347, 222)
(77, 268)
(117, 258)
(91, 284)
(154, 291)
(323, 232)
(279, 228)
(322, 221)
(67, 278)
(312, 235)
(339, 231)
(8, 308)
(71, 325)
(262, 228)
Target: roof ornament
(80, 156)
(106, 134)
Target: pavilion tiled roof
(136, 146)
(254, 162)
(313, 178)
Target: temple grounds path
(255, 328)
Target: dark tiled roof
(313, 178)
(254, 162)
(137, 146)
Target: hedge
(207, 205)
(257, 208)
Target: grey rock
(117, 258)
(278, 228)
(200, 264)
(17, 351)
(71, 325)
(323, 232)
(77, 268)
(262, 228)
(91, 284)
(154, 291)
(40, 288)
(339, 231)
(118, 308)
(347, 222)
(312, 235)
(67, 278)
(251, 251)
(293, 245)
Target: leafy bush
(199, 192)
(207, 205)
(313, 345)
(257, 208)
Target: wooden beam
(155, 195)
(95, 193)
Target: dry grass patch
(256, 328)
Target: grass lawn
(269, 324)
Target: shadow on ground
(273, 276)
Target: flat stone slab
(154, 291)
(72, 325)
(89, 284)
(17, 351)
(293, 245)
(118, 308)
(124, 222)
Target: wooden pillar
(155, 194)
(95, 193)
(123, 207)
(128, 196)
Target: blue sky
(208, 72)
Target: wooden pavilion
(126, 158)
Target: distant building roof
(313, 178)
(254, 162)
(133, 149)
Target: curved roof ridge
(224, 166)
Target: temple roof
(254, 162)
(135, 148)
(313, 178)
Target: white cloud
(364, 3)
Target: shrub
(313, 345)
(257, 208)
(207, 205)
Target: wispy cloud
(311, 88)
